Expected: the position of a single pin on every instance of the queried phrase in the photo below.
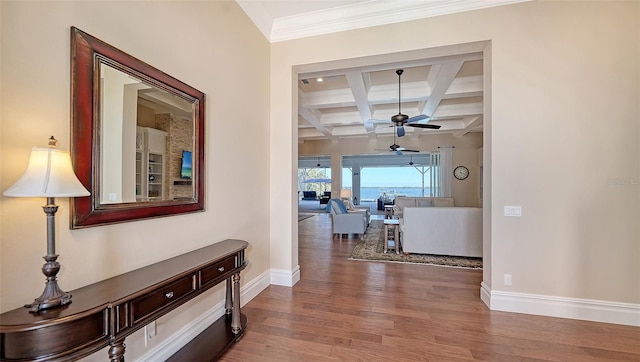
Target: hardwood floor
(343, 310)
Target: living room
(466, 151)
(561, 97)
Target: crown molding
(258, 15)
(364, 14)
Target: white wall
(211, 46)
(563, 127)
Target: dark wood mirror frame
(85, 141)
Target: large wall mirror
(137, 137)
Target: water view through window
(392, 181)
(375, 176)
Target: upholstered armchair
(345, 222)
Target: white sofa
(442, 231)
(401, 202)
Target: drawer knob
(221, 269)
(168, 295)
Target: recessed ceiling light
(319, 79)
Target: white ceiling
(359, 101)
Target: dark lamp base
(52, 296)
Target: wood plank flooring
(344, 310)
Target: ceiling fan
(397, 149)
(400, 120)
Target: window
(372, 175)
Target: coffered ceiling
(359, 102)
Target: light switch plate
(513, 211)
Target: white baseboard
(485, 294)
(254, 287)
(562, 307)
(287, 278)
(179, 339)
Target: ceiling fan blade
(425, 125)
(417, 118)
(400, 131)
(405, 150)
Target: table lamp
(49, 174)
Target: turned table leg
(228, 304)
(236, 328)
(116, 351)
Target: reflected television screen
(185, 170)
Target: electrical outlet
(513, 211)
(150, 331)
(507, 279)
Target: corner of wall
(287, 278)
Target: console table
(105, 313)
(392, 227)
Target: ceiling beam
(471, 124)
(440, 78)
(313, 119)
(360, 83)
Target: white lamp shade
(49, 174)
(345, 193)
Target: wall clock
(461, 172)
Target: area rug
(304, 216)
(371, 246)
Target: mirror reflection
(137, 137)
(146, 140)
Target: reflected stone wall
(179, 137)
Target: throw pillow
(424, 202)
(349, 204)
(338, 206)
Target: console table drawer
(211, 273)
(162, 297)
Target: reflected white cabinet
(151, 145)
